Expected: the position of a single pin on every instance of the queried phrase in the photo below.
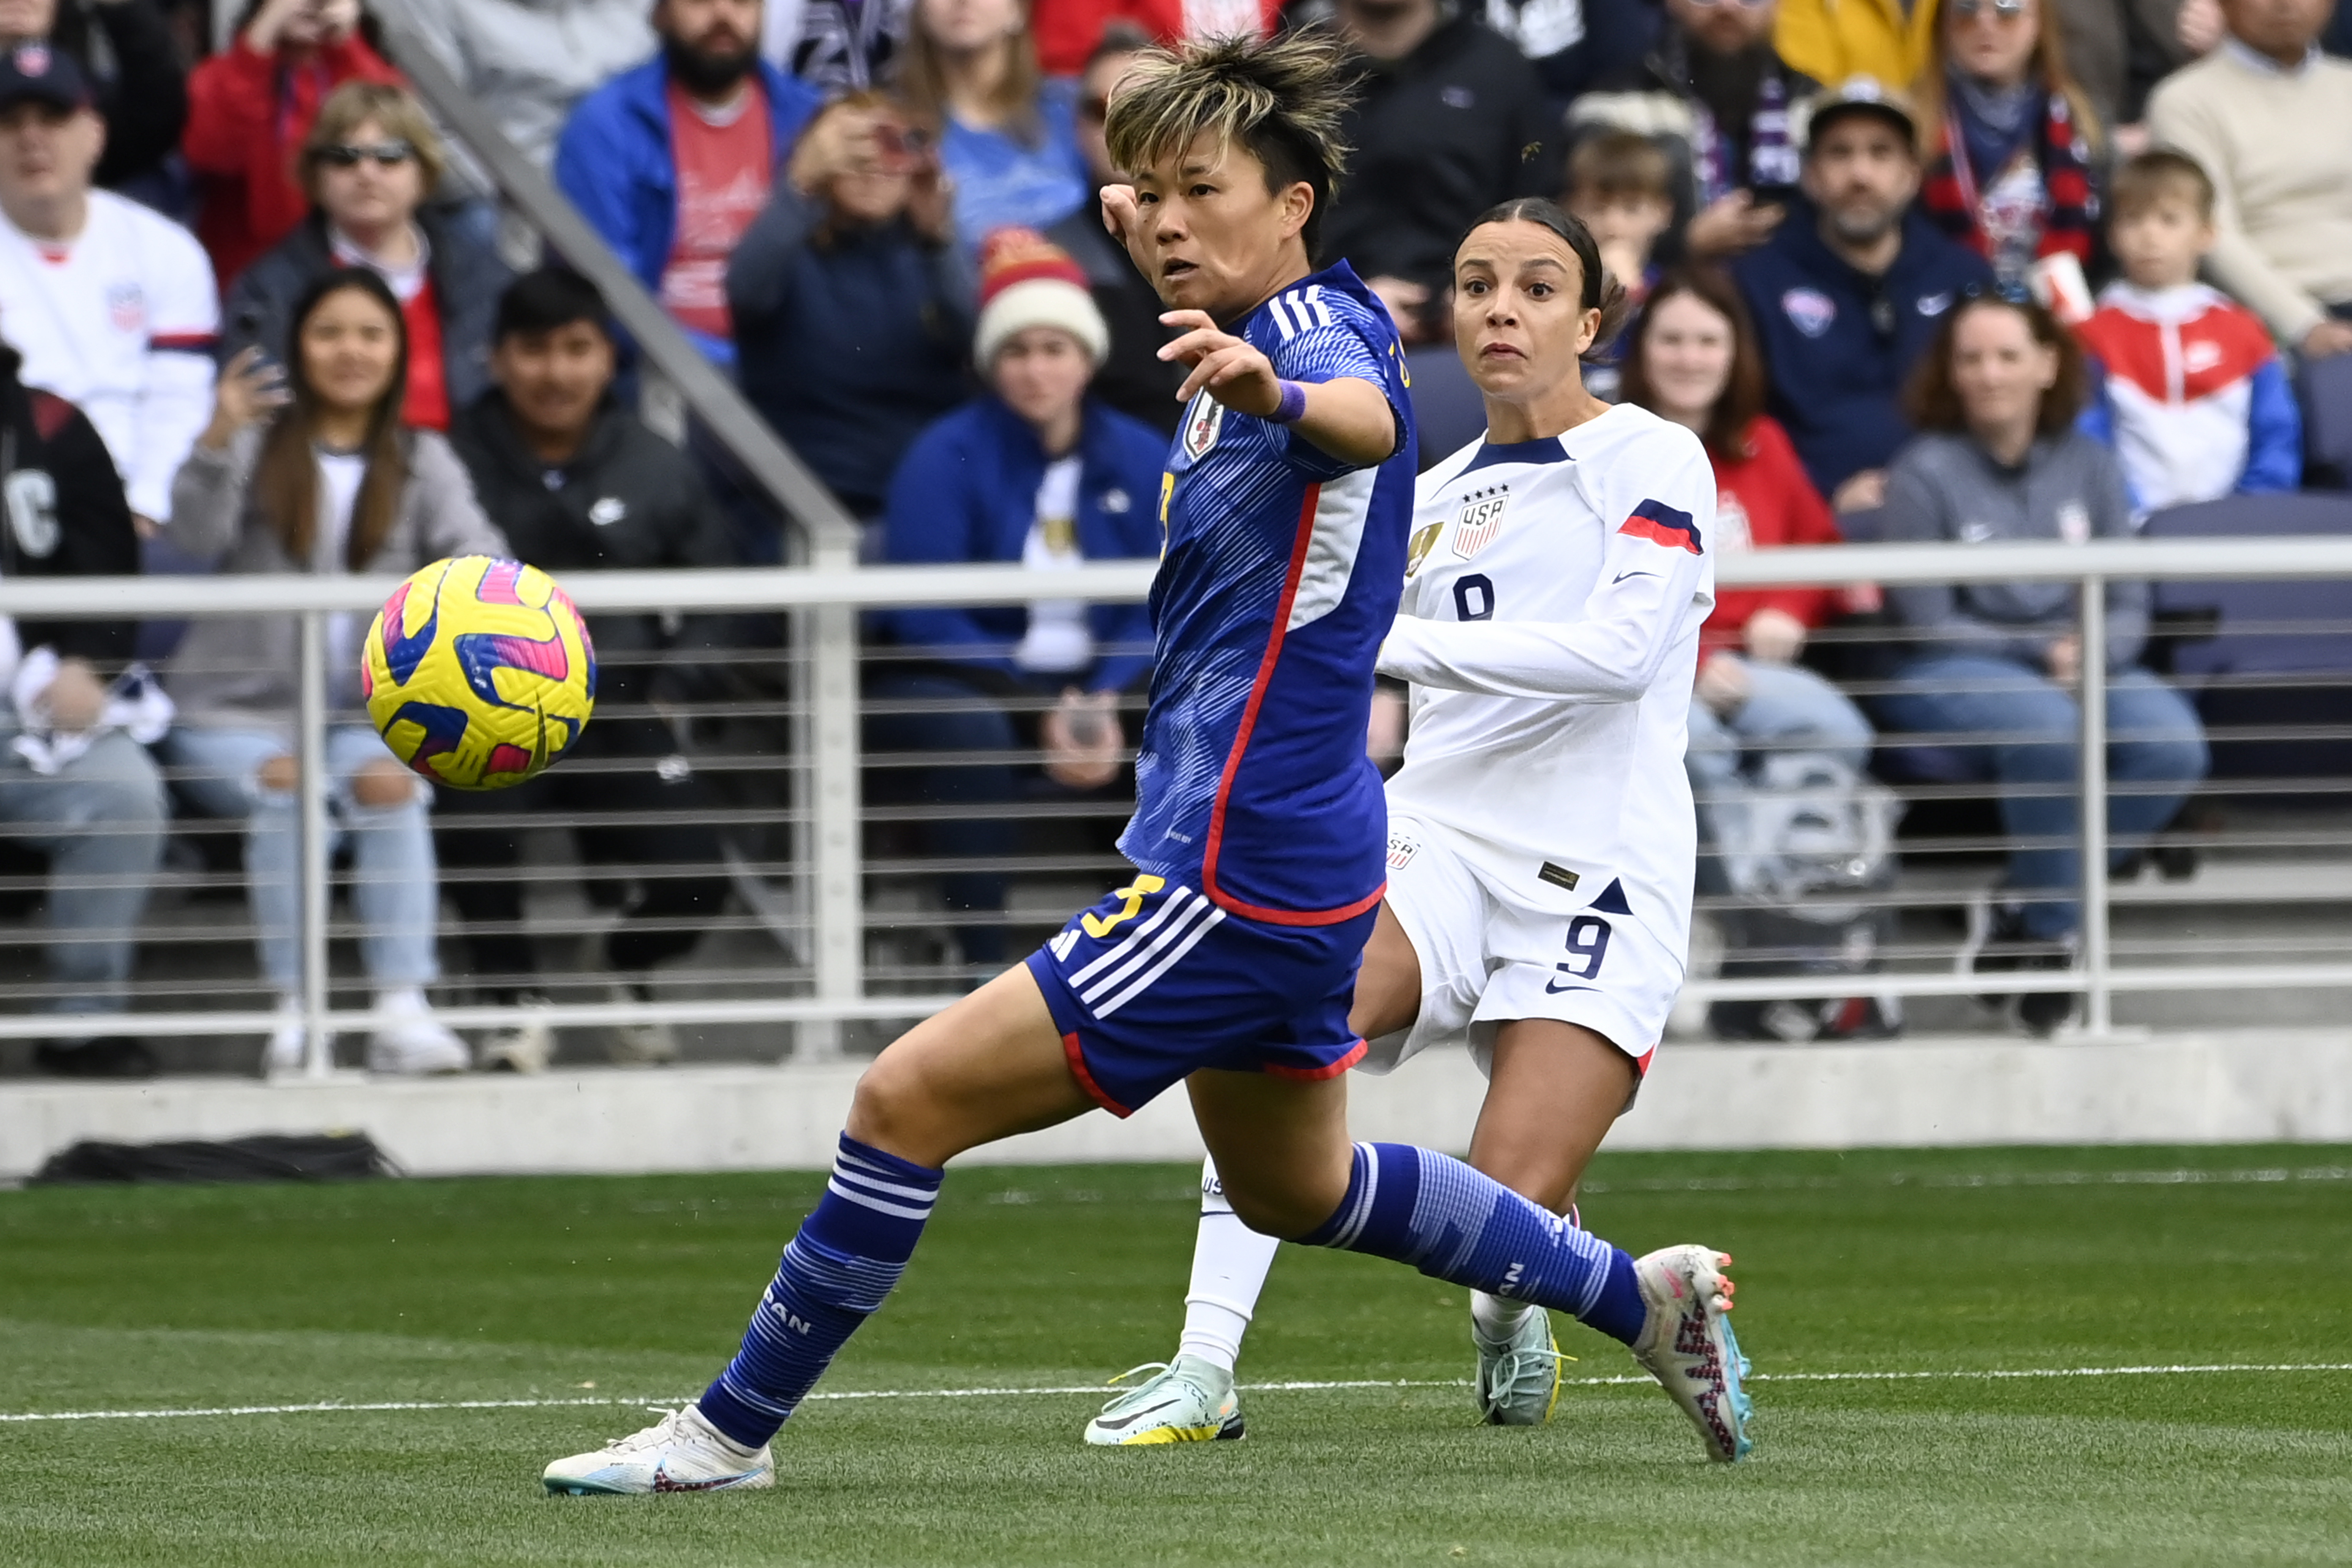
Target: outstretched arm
(1347, 417)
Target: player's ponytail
(1598, 290)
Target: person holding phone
(852, 302)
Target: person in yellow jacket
(1831, 40)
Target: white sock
(402, 999)
(1230, 1262)
(1495, 1319)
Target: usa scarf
(1953, 199)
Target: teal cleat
(1518, 1380)
(1686, 1344)
(1190, 1401)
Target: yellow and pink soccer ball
(479, 672)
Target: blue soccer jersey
(1281, 571)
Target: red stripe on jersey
(1662, 525)
(182, 343)
(1317, 1075)
(1077, 1056)
(1241, 744)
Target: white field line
(1983, 1376)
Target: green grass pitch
(632, 1289)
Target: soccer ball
(479, 672)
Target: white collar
(2184, 304)
(2261, 63)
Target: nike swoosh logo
(1132, 1420)
(1553, 988)
(1622, 575)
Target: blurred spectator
(1034, 471)
(1448, 120)
(112, 307)
(1133, 379)
(250, 109)
(578, 483)
(1832, 40)
(2192, 394)
(1716, 97)
(2000, 461)
(528, 62)
(369, 164)
(1693, 359)
(2115, 50)
(1846, 293)
(1618, 187)
(1008, 138)
(2012, 151)
(1574, 44)
(853, 303)
(126, 56)
(2269, 118)
(1069, 31)
(309, 468)
(75, 782)
(672, 161)
(836, 46)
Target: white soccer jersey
(1553, 595)
(121, 321)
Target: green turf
(634, 1288)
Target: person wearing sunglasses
(369, 166)
(2015, 154)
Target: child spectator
(318, 474)
(369, 164)
(1008, 138)
(1034, 471)
(1617, 184)
(2192, 395)
(578, 483)
(250, 109)
(852, 302)
(671, 162)
(112, 307)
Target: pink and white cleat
(679, 1453)
(1686, 1344)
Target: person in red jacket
(1693, 359)
(250, 108)
(1067, 30)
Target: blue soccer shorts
(1155, 983)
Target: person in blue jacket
(1036, 471)
(671, 161)
(1851, 290)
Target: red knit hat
(1026, 280)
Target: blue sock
(1417, 1206)
(848, 1255)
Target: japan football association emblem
(1203, 421)
(1480, 519)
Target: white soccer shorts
(1491, 950)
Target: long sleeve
(932, 517)
(760, 271)
(176, 403)
(454, 524)
(591, 169)
(1641, 601)
(2127, 602)
(2182, 117)
(1915, 515)
(208, 496)
(148, 105)
(232, 97)
(95, 540)
(2273, 434)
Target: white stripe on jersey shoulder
(1300, 311)
(1333, 540)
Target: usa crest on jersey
(1480, 519)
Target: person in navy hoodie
(1850, 291)
(671, 161)
(1037, 471)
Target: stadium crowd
(1959, 270)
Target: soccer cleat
(1687, 1345)
(527, 1045)
(640, 1045)
(1518, 1379)
(285, 1050)
(1192, 1401)
(409, 1041)
(679, 1453)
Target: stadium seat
(2264, 657)
(1446, 407)
(2326, 392)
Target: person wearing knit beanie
(1026, 280)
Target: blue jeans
(1789, 709)
(395, 885)
(100, 818)
(2156, 755)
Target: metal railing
(827, 865)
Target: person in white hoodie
(528, 61)
(2192, 395)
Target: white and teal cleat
(1686, 1344)
(1518, 1380)
(1190, 1401)
(679, 1453)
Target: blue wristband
(1293, 406)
